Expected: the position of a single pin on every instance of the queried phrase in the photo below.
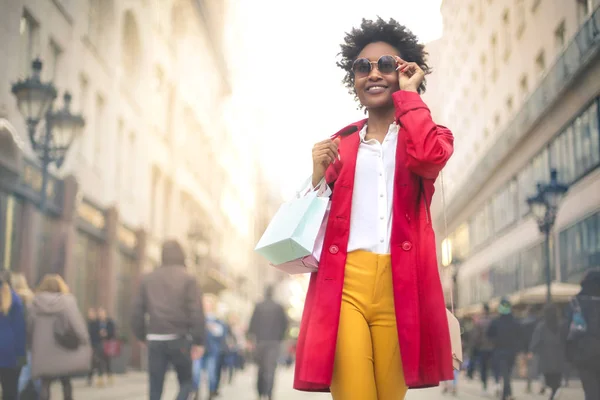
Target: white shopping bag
(293, 231)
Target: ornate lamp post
(544, 207)
(35, 102)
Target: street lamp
(35, 102)
(544, 207)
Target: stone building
(519, 84)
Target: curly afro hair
(392, 33)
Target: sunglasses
(386, 65)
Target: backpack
(583, 339)
(64, 334)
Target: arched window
(130, 48)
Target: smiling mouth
(376, 89)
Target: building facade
(150, 78)
(518, 82)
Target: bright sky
(288, 89)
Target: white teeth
(375, 87)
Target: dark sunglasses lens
(386, 64)
(361, 67)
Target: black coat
(269, 322)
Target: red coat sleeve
(428, 146)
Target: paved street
(133, 387)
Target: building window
(532, 261)
(494, 45)
(540, 62)
(526, 188)
(520, 14)
(131, 52)
(509, 105)
(120, 155)
(535, 5)
(506, 34)
(559, 37)
(85, 281)
(497, 121)
(168, 188)
(99, 119)
(561, 156)
(131, 162)
(524, 86)
(153, 199)
(586, 138)
(580, 248)
(54, 58)
(29, 30)
(505, 206)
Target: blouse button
(406, 246)
(333, 249)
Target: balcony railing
(577, 55)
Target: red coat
(423, 150)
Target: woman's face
(375, 89)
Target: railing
(581, 50)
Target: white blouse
(371, 217)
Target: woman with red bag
(374, 322)
(105, 345)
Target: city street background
(134, 387)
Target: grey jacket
(171, 299)
(48, 358)
(549, 346)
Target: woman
(374, 321)
(21, 288)
(583, 349)
(548, 345)
(101, 329)
(12, 338)
(59, 339)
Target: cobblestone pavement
(133, 386)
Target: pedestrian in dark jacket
(101, 329)
(169, 300)
(505, 332)
(12, 339)
(548, 344)
(268, 327)
(583, 347)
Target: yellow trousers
(367, 359)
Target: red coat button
(406, 246)
(333, 249)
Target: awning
(214, 281)
(561, 293)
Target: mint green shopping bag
(292, 232)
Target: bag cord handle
(446, 235)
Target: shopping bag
(112, 348)
(292, 232)
(309, 263)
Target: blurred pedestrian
(375, 309)
(483, 344)
(505, 332)
(60, 347)
(583, 338)
(216, 334)
(168, 316)
(92, 319)
(102, 330)
(268, 327)
(531, 362)
(20, 286)
(12, 338)
(548, 345)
